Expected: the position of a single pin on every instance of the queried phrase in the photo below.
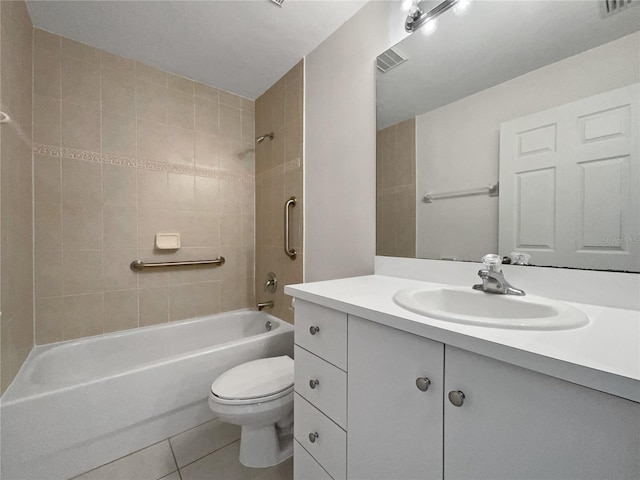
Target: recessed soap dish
(167, 241)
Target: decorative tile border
(384, 192)
(53, 151)
(279, 170)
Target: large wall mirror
(513, 127)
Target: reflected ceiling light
(461, 7)
(429, 27)
(406, 5)
(417, 17)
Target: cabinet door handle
(314, 383)
(313, 437)
(423, 383)
(456, 397)
(314, 330)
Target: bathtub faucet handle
(271, 284)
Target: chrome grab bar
(138, 265)
(291, 252)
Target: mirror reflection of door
(570, 183)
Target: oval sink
(464, 305)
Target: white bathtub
(79, 404)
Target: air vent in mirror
(389, 59)
(609, 7)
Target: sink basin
(465, 305)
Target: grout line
(104, 296)
(33, 198)
(211, 453)
(135, 121)
(120, 458)
(174, 455)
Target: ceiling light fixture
(417, 17)
(277, 2)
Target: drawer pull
(314, 330)
(313, 437)
(314, 383)
(423, 383)
(456, 398)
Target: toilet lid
(258, 378)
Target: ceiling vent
(609, 7)
(278, 2)
(390, 59)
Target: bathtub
(79, 404)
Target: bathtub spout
(268, 304)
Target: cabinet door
(518, 424)
(394, 430)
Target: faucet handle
(492, 262)
(520, 258)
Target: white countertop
(604, 355)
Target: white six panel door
(570, 182)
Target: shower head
(262, 138)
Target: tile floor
(207, 452)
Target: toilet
(258, 396)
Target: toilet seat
(254, 382)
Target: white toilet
(258, 396)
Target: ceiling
(494, 42)
(243, 46)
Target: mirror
(520, 119)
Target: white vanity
(384, 393)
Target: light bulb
(406, 5)
(461, 7)
(429, 27)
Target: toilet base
(260, 447)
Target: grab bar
(291, 252)
(492, 190)
(138, 265)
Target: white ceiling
(243, 46)
(494, 42)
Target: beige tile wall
(123, 151)
(16, 248)
(278, 177)
(396, 190)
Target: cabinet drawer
(330, 446)
(305, 467)
(330, 393)
(330, 340)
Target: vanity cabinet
(320, 400)
(393, 405)
(515, 423)
(512, 423)
(395, 402)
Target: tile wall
(123, 151)
(16, 249)
(396, 190)
(279, 177)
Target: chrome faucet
(493, 280)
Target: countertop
(604, 355)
